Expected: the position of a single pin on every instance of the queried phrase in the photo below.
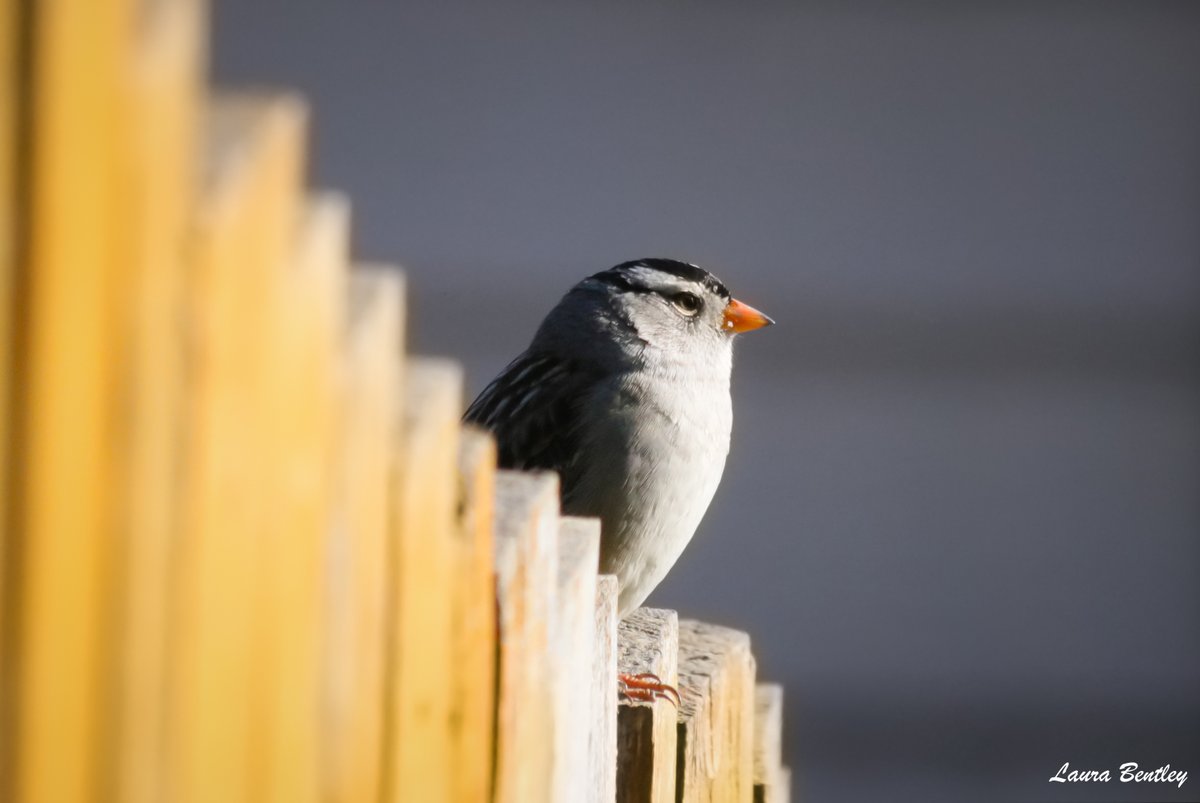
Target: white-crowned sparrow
(624, 392)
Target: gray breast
(650, 467)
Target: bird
(624, 392)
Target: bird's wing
(533, 408)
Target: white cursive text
(1129, 773)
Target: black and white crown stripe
(626, 276)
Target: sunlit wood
(68, 298)
(473, 692)
(647, 642)
(356, 557)
(526, 586)
(245, 219)
(161, 177)
(307, 319)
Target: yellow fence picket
(244, 221)
(356, 556)
(12, 122)
(309, 320)
(473, 683)
(423, 580)
(161, 179)
(769, 773)
(716, 720)
(647, 642)
(602, 745)
(527, 511)
(574, 642)
(69, 300)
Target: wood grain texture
(306, 322)
(527, 512)
(13, 120)
(69, 302)
(647, 641)
(768, 735)
(245, 219)
(356, 554)
(571, 652)
(602, 741)
(422, 579)
(473, 691)
(716, 721)
(161, 176)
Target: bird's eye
(686, 303)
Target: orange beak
(741, 317)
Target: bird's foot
(646, 688)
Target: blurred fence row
(248, 551)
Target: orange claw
(647, 687)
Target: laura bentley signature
(1129, 772)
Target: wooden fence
(248, 551)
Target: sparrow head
(653, 307)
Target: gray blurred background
(961, 518)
